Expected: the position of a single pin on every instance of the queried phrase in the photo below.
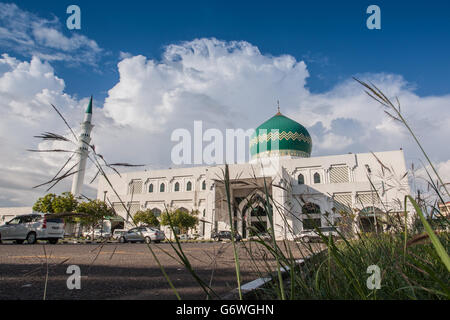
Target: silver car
(143, 234)
(98, 234)
(308, 235)
(33, 227)
(118, 233)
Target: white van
(33, 227)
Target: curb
(259, 282)
(84, 242)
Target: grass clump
(342, 271)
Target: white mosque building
(303, 191)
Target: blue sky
(330, 36)
(154, 67)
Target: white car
(98, 234)
(143, 234)
(33, 227)
(118, 233)
(184, 237)
(308, 235)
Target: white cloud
(224, 84)
(331, 141)
(26, 91)
(30, 35)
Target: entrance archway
(369, 220)
(254, 215)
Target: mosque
(348, 191)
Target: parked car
(98, 234)
(197, 236)
(221, 235)
(184, 237)
(33, 227)
(309, 235)
(118, 233)
(261, 236)
(143, 234)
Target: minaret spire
(89, 108)
(279, 112)
(83, 151)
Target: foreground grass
(341, 271)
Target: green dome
(293, 139)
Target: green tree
(146, 217)
(180, 219)
(45, 204)
(51, 203)
(95, 211)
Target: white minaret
(83, 150)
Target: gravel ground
(122, 271)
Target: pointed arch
(316, 177)
(310, 208)
(156, 212)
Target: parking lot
(124, 271)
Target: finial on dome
(279, 112)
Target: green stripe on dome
(291, 137)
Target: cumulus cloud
(27, 88)
(30, 35)
(224, 84)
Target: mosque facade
(281, 180)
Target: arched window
(162, 187)
(204, 185)
(150, 188)
(177, 187)
(310, 208)
(189, 186)
(156, 212)
(301, 179)
(316, 177)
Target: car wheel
(19, 241)
(53, 241)
(306, 239)
(148, 240)
(31, 238)
(101, 239)
(122, 240)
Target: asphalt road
(124, 271)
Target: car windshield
(54, 220)
(14, 221)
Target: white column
(83, 150)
